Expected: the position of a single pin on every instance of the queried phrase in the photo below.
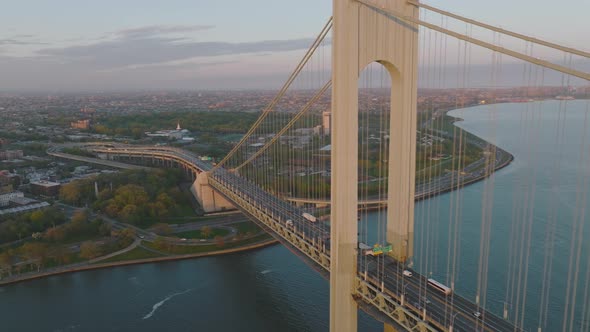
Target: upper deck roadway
(381, 287)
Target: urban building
(23, 209)
(11, 154)
(326, 121)
(21, 201)
(176, 134)
(87, 110)
(80, 124)
(6, 198)
(7, 178)
(45, 188)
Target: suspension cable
(393, 13)
(502, 31)
(280, 94)
(290, 124)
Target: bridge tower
(362, 35)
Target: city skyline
(197, 45)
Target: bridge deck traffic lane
(317, 235)
(442, 308)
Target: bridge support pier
(361, 36)
(209, 199)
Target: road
(441, 310)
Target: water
(272, 290)
(546, 179)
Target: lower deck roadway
(441, 309)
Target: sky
(72, 45)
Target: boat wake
(159, 304)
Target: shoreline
(86, 267)
(81, 268)
(507, 160)
(379, 206)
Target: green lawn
(188, 249)
(189, 218)
(196, 234)
(136, 253)
(184, 210)
(80, 238)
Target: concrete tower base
(209, 199)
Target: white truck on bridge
(309, 217)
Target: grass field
(197, 234)
(136, 253)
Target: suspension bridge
(348, 130)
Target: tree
(112, 209)
(160, 244)
(37, 219)
(127, 233)
(205, 231)
(62, 255)
(71, 192)
(6, 261)
(131, 194)
(165, 200)
(157, 210)
(129, 214)
(36, 252)
(55, 234)
(137, 133)
(80, 216)
(219, 241)
(89, 250)
(19, 229)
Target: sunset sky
(194, 44)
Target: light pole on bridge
(403, 297)
(452, 321)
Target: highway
(440, 310)
(443, 309)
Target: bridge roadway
(440, 310)
(55, 151)
(406, 302)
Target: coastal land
(156, 245)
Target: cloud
(17, 41)
(132, 50)
(184, 64)
(156, 30)
(23, 36)
(148, 57)
(20, 40)
(42, 74)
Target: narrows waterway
(272, 290)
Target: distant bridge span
(160, 156)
